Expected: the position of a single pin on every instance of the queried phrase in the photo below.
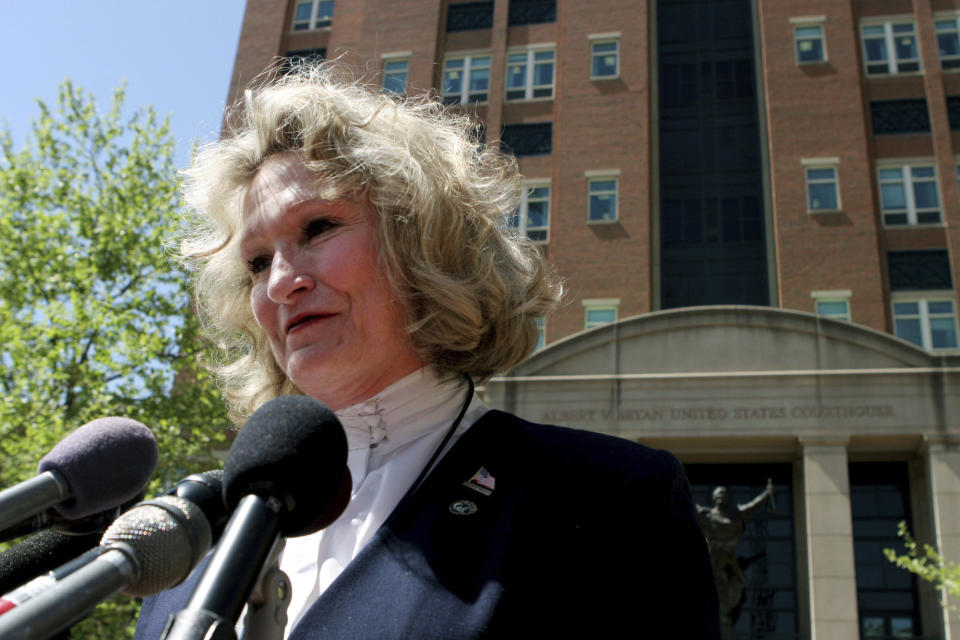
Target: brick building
(752, 205)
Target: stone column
(943, 471)
(831, 579)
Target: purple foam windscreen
(293, 448)
(105, 463)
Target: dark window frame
(531, 139)
(468, 16)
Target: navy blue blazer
(583, 534)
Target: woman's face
(335, 327)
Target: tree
(926, 563)
(95, 315)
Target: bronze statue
(724, 525)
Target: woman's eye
(317, 226)
(257, 264)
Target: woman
(351, 247)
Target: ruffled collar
(412, 406)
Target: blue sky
(176, 55)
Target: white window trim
(925, 297)
(907, 178)
(312, 25)
(467, 58)
(600, 304)
(529, 66)
(802, 20)
(892, 63)
(821, 163)
(596, 175)
(834, 295)
(612, 35)
(811, 21)
(527, 186)
(603, 38)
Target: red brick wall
(811, 111)
(819, 111)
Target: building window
(838, 309)
(532, 217)
(293, 59)
(395, 75)
(466, 79)
(528, 139)
(930, 323)
(532, 12)
(923, 306)
(890, 47)
(599, 312)
(823, 190)
(887, 602)
(832, 304)
(948, 43)
(465, 16)
(530, 74)
(909, 195)
(312, 14)
(604, 56)
(922, 270)
(953, 112)
(899, 116)
(602, 197)
(809, 43)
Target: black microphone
(50, 548)
(95, 468)
(286, 474)
(205, 490)
(151, 547)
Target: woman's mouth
(305, 320)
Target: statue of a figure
(723, 525)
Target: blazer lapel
(434, 568)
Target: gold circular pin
(463, 508)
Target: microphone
(38, 554)
(95, 468)
(286, 474)
(151, 547)
(45, 551)
(204, 490)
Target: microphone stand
(267, 605)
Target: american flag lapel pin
(482, 481)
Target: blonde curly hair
(472, 289)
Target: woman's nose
(287, 279)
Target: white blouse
(390, 437)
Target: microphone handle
(38, 585)
(73, 597)
(229, 577)
(24, 500)
(40, 553)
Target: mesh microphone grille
(169, 535)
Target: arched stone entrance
(763, 385)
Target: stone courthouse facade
(752, 205)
